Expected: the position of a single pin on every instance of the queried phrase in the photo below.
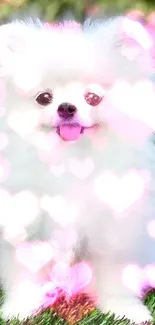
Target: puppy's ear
(132, 38)
(15, 40)
(125, 47)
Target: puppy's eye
(44, 98)
(93, 99)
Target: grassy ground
(79, 310)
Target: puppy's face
(70, 110)
(59, 80)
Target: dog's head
(59, 79)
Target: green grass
(50, 315)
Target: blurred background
(50, 10)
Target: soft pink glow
(150, 275)
(135, 278)
(138, 33)
(119, 192)
(49, 294)
(61, 211)
(132, 106)
(132, 277)
(71, 279)
(34, 256)
(129, 109)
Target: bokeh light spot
(119, 193)
(24, 122)
(59, 210)
(132, 277)
(34, 256)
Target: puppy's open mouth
(71, 132)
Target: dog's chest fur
(72, 173)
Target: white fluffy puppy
(59, 86)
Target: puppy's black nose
(66, 110)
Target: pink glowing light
(49, 295)
(129, 110)
(70, 279)
(119, 193)
(59, 209)
(149, 272)
(34, 256)
(138, 33)
(133, 278)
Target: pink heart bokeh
(70, 280)
(34, 256)
(136, 278)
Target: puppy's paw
(133, 309)
(11, 309)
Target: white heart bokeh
(119, 192)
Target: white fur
(68, 62)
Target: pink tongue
(70, 132)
